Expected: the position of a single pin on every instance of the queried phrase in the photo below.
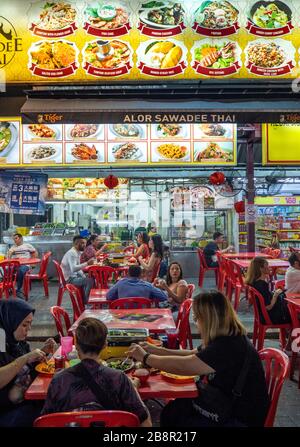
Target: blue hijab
(12, 313)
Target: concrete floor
(288, 412)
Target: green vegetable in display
(270, 17)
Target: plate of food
(117, 363)
(163, 15)
(270, 15)
(43, 131)
(126, 151)
(172, 151)
(215, 152)
(56, 16)
(107, 55)
(218, 56)
(127, 130)
(47, 369)
(170, 130)
(8, 137)
(83, 131)
(215, 130)
(42, 152)
(266, 54)
(216, 15)
(105, 16)
(176, 378)
(53, 55)
(162, 54)
(84, 152)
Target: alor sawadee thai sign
(49, 41)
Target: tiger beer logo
(49, 118)
(10, 43)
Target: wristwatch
(145, 358)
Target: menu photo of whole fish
(53, 19)
(216, 58)
(161, 18)
(216, 18)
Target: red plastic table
(114, 319)
(24, 261)
(273, 263)
(247, 255)
(294, 299)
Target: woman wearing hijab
(17, 363)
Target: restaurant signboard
(277, 136)
(78, 40)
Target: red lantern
(217, 178)
(239, 207)
(111, 181)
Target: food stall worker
(72, 267)
(21, 250)
(211, 249)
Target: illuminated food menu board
(71, 40)
(85, 188)
(118, 144)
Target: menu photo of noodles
(53, 19)
(214, 152)
(107, 18)
(216, 58)
(84, 153)
(53, 59)
(161, 18)
(270, 57)
(270, 19)
(107, 58)
(217, 18)
(9, 141)
(162, 58)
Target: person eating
(94, 247)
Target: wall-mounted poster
(279, 136)
(84, 40)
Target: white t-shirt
(21, 251)
(292, 280)
(71, 265)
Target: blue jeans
(20, 276)
(23, 415)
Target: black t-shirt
(279, 314)
(226, 355)
(210, 250)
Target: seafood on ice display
(162, 58)
(106, 19)
(217, 57)
(53, 19)
(107, 58)
(216, 18)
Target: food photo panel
(170, 152)
(164, 131)
(125, 131)
(214, 131)
(213, 152)
(9, 141)
(46, 153)
(42, 132)
(128, 152)
(84, 153)
(75, 132)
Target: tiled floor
(288, 412)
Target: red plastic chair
(41, 276)
(102, 275)
(204, 268)
(131, 303)
(183, 324)
(222, 272)
(259, 329)
(9, 270)
(62, 286)
(61, 319)
(294, 312)
(155, 272)
(190, 291)
(276, 364)
(88, 419)
(76, 300)
(236, 283)
(279, 284)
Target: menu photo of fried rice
(53, 19)
(54, 59)
(214, 152)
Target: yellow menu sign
(281, 144)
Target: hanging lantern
(217, 178)
(111, 181)
(239, 207)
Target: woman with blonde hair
(224, 355)
(257, 277)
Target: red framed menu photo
(216, 18)
(53, 19)
(270, 18)
(216, 57)
(162, 58)
(161, 18)
(270, 57)
(107, 19)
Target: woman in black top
(219, 361)
(257, 277)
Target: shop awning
(37, 110)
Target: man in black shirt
(211, 249)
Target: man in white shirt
(23, 250)
(292, 275)
(72, 268)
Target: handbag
(215, 405)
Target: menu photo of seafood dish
(214, 152)
(129, 152)
(166, 131)
(106, 19)
(9, 142)
(216, 57)
(42, 132)
(53, 19)
(170, 152)
(265, 57)
(216, 18)
(84, 131)
(214, 131)
(162, 58)
(161, 18)
(116, 131)
(273, 18)
(83, 152)
(42, 153)
(54, 59)
(107, 58)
